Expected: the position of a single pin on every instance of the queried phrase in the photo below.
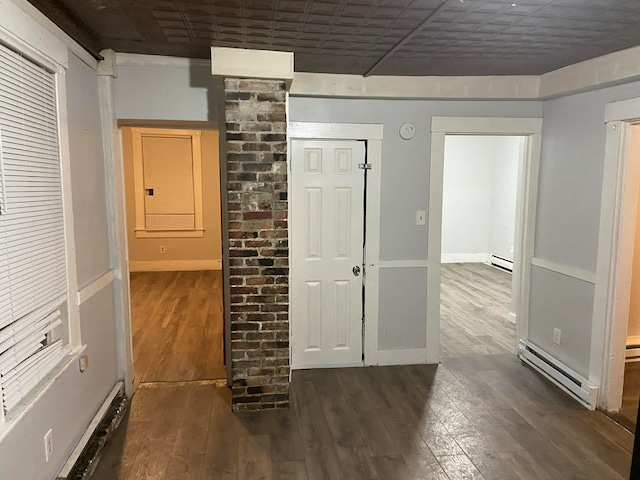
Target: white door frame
(372, 133)
(525, 214)
(615, 249)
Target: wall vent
(567, 379)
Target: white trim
(73, 307)
(100, 414)
(606, 70)
(248, 63)
(173, 265)
(434, 246)
(525, 214)
(402, 356)
(312, 366)
(486, 126)
(335, 131)
(621, 174)
(626, 110)
(94, 287)
(465, 257)
(569, 271)
(161, 61)
(403, 264)
(427, 87)
(119, 253)
(373, 134)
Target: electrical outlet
(421, 217)
(84, 362)
(48, 444)
(511, 249)
(162, 249)
(557, 333)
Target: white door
(327, 233)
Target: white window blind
(33, 272)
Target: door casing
(372, 134)
(525, 214)
(621, 175)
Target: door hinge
(365, 166)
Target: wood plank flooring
(630, 397)
(177, 326)
(474, 307)
(474, 416)
(477, 417)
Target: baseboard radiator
(501, 262)
(632, 353)
(568, 380)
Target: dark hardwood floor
(474, 304)
(177, 326)
(479, 416)
(630, 396)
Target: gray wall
(68, 406)
(166, 93)
(568, 216)
(405, 189)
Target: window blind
(33, 273)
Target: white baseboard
(465, 258)
(402, 356)
(174, 265)
(512, 317)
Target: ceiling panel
(384, 37)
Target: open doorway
(173, 210)
(479, 205)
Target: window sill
(19, 412)
(169, 233)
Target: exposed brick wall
(256, 143)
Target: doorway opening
(479, 205)
(173, 221)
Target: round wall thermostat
(407, 131)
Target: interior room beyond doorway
(480, 193)
(172, 189)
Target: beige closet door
(327, 231)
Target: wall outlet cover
(557, 334)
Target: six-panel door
(327, 232)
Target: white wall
(479, 197)
(182, 90)
(567, 221)
(72, 400)
(404, 189)
(507, 165)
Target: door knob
(356, 270)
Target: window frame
(51, 59)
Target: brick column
(256, 143)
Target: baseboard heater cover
(501, 262)
(632, 353)
(564, 377)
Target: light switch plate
(421, 217)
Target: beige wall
(181, 253)
(633, 329)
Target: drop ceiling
(364, 37)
